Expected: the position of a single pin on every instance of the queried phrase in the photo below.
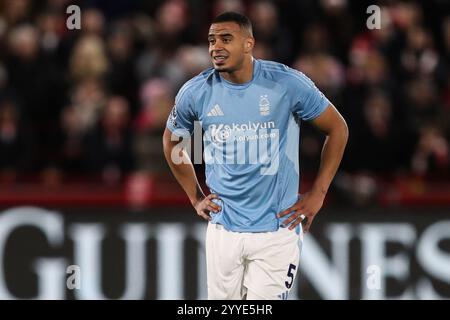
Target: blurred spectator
(88, 98)
(338, 22)
(262, 51)
(89, 59)
(172, 27)
(171, 31)
(51, 26)
(418, 57)
(156, 103)
(16, 11)
(268, 30)
(379, 145)
(3, 77)
(432, 155)
(37, 83)
(327, 73)
(121, 77)
(93, 22)
(446, 34)
(221, 6)
(315, 39)
(109, 144)
(406, 14)
(72, 148)
(367, 68)
(421, 102)
(188, 62)
(15, 142)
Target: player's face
(228, 45)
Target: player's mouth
(220, 58)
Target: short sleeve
(308, 102)
(182, 117)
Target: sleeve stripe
(200, 77)
(293, 73)
(184, 89)
(188, 85)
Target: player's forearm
(183, 170)
(186, 177)
(332, 152)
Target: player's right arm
(183, 170)
(180, 125)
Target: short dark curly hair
(242, 20)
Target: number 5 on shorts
(290, 275)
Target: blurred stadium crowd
(95, 100)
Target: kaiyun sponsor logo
(253, 143)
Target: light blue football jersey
(251, 139)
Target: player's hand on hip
(303, 211)
(205, 205)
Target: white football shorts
(251, 265)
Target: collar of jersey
(240, 86)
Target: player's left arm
(332, 124)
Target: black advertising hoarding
(159, 254)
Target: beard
(228, 69)
(223, 69)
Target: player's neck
(243, 75)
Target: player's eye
(227, 40)
(211, 41)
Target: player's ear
(249, 44)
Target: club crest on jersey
(264, 105)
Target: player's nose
(216, 47)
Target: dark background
(82, 113)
